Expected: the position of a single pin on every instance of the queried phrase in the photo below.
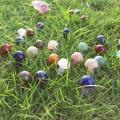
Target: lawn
(60, 98)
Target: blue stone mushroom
(41, 76)
(101, 39)
(86, 81)
(66, 31)
(19, 56)
(40, 25)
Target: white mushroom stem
(60, 70)
(85, 91)
(91, 70)
(54, 50)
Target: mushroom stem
(18, 63)
(54, 50)
(65, 35)
(91, 70)
(60, 70)
(85, 91)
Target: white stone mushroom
(63, 64)
(52, 45)
(32, 51)
(21, 32)
(91, 64)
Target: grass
(61, 98)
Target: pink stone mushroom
(41, 6)
(91, 64)
(76, 57)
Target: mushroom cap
(41, 75)
(101, 39)
(118, 54)
(30, 32)
(82, 47)
(25, 75)
(19, 39)
(40, 25)
(77, 10)
(84, 17)
(71, 11)
(87, 80)
(53, 58)
(100, 48)
(52, 44)
(32, 51)
(5, 48)
(39, 44)
(101, 60)
(21, 32)
(77, 56)
(41, 6)
(19, 55)
(91, 63)
(66, 30)
(64, 63)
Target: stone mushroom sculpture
(101, 39)
(53, 58)
(63, 64)
(41, 76)
(5, 49)
(25, 76)
(76, 57)
(87, 83)
(66, 31)
(101, 60)
(19, 56)
(21, 32)
(39, 44)
(91, 64)
(82, 47)
(100, 49)
(19, 40)
(53, 45)
(32, 51)
(30, 32)
(40, 25)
